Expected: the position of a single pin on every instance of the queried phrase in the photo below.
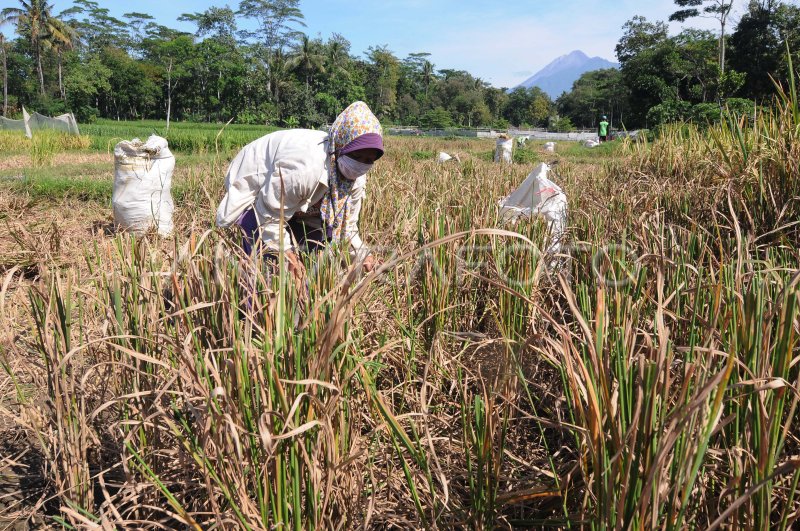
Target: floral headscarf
(355, 121)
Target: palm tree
(278, 75)
(61, 37)
(307, 58)
(427, 75)
(34, 18)
(338, 58)
(5, 74)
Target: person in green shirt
(602, 129)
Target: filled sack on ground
(142, 180)
(538, 196)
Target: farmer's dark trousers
(308, 239)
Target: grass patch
(578, 151)
(42, 184)
(423, 155)
(525, 155)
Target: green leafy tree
(328, 105)
(758, 45)
(136, 23)
(471, 108)
(216, 22)
(99, 30)
(673, 73)
(134, 90)
(638, 36)
(220, 66)
(527, 107)
(696, 66)
(175, 57)
(84, 85)
(276, 21)
(718, 9)
(647, 56)
(279, 78)
(562, 124)
(428, 76)
(417, 75)
(496, 99)
(462, 95)
(343, 78)
(384, 75)
(540, 109)
(272, 73)
(438, 118)
(516, 110)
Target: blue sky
(501, 42)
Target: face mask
(351, 169)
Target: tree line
(254, 64)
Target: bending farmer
(324, 183)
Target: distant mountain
(558, 76)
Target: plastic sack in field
(502, 151)
(538, 196)
(591, 143)
(550, 147)
(142, 182)
(443, 157)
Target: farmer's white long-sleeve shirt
(254, 179)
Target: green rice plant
(13, 141)
(423, 155)
(485, 425)
(525, 155)
(63, 432)
(255, 407)
(42, 145)
(656, 401)
(182, 137)
(43, 149)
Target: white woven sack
(538, 196)
(142, 180)
(502, 152)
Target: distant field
(182, 137)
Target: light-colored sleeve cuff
(358, 249)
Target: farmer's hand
(370, 263)
(295, 265)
